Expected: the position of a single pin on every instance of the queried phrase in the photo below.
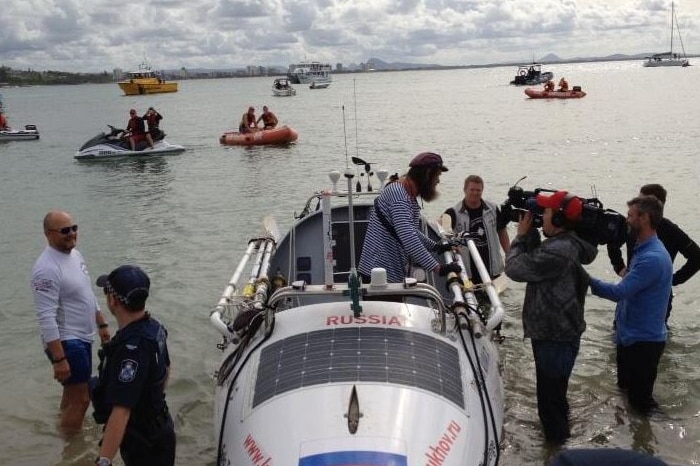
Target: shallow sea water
(187, 218)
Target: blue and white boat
(318, 368)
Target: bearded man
(394, 239)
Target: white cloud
(98, 35)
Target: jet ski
(115, 144)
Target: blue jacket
(642, 294)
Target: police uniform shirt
(135, 366)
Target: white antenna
(354, 96)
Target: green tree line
(11, 77)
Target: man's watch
(103, 461)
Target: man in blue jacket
(674, 239)
(642, 298)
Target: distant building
(339, 67)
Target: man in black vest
(486, 224)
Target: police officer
(129, 396)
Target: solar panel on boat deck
(359, 354)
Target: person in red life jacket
(268, 118)
(248, 122)
(3, 122)
(563, 85)
(549, 85)
(136, 130)
(152, 119)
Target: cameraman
(554, 299)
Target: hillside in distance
(380, 65)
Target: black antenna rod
(345, 135)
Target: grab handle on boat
(498, 313)
(231, 288)
(462, 299)
(219, 324)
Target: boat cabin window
(304, 269)
(341, 251)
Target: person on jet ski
(136, 130)
(152, 119)
(3, 122)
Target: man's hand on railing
(449, 268)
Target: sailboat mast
(680, 38)
(672, 16)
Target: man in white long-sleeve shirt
(68, 315)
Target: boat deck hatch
(359, 354)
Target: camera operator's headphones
(559, 216)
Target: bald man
(68, 315)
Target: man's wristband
(105, 325)
(103, 461)
(61, 359)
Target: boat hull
(400, 422)
(283, 92)
(310, 78)
(19, 135)
(146, 86)
(315, 85)
(541, 94)
(279, 135)
(112, 151)
(541, 79)
(666, 62)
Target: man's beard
(429, 193)
(633, 231)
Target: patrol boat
(320, 369)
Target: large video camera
(596, 224)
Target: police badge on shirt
(127, 370)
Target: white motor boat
(29, 133)
(308, 72)
(113, 144)
(319, 369)
(281, 87)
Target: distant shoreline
(18, 78)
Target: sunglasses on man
(66, 230)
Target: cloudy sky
(97, 35)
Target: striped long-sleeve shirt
(392, 251)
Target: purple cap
(128, 283)
(427, 159)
